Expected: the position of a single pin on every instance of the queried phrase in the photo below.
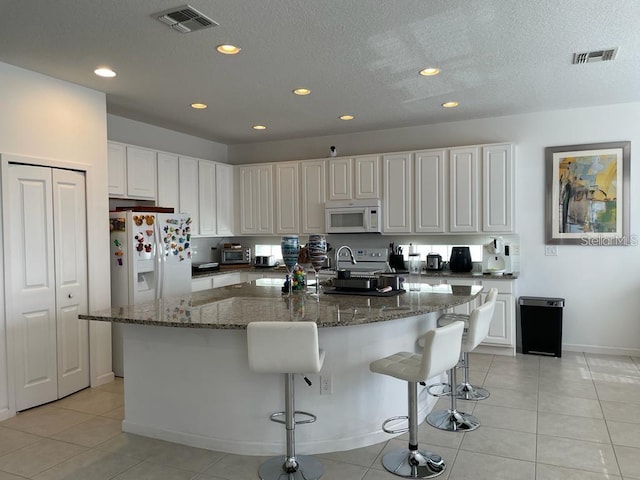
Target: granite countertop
(233, 307)
(426, 273)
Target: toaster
(264, 261)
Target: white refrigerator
(150, 258)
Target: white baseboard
(631, 352)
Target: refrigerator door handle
(160, 259)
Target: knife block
(397, 261)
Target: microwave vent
(185, 19)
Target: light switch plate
(551, 250)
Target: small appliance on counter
(235, 255)
(460, 260)
(498, 258)
(264, 261)
(434, 261)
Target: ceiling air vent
(185, 19)
(595, 56)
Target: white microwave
(353, 216)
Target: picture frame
(587, 194)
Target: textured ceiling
(498, 57)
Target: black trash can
(541, 325)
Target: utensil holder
(397, 261)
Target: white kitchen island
(187, 378)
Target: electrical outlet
(551, 250)
(326, 385)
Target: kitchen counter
(233, 307)
(191, 384)
(424, 274)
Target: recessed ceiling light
(302, 91)
(228, 49)
(346, 117)
(450, 104)
(259, 127)
(199, 106)
(104, 72)
(428, 72)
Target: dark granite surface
(233, 307)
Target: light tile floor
(572, 418)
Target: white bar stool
(440, 352)
(288, 348)
(465, 390)
(452, 420)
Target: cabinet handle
(71, 295)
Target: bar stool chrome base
(302, 467)
(413, 463)
(453, 421)
(466, 391)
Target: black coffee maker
(460, 260)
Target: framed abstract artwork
(587, 199)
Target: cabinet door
(117, 170)
(168, 181)
(313, 196)
(224, 199)
(141, 173)
(341, 179)
(207, 197)
(430, 203)
(501, 330)
(256, 199)
(463, 189)
(189, 197)
(227, 279)
(367, 177)
(497, 188)
(396, 212)
(287, 188)
(199, 284)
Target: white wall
(124, 130)
(601, 285)
(58, 123)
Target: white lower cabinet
(201, 283)
(232, 278)
(501, 339)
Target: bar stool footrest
(275, 417)
(446, 390)
(393, 419)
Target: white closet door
(70, 248)
(29, 260)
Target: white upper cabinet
(397, 199)
(367, 177)
(132, 172)
(341, 179)
(207, 197)
(463, 189)
(287, 190)
(431, 207)
(497, 188)
(141, 173)
(224, 199)
(189, 198)
(256, 199)
(313, 175)
(168, 181)
(354, 178)
(117, 169)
